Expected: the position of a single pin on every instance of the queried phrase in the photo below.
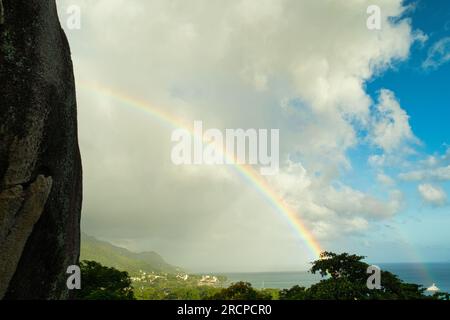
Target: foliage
(166, 286)
(241, 291)
(192, 292)
(347, 280)
(442, 296)
(170, 287)
(341, 266)
(344, 278)
(104, 283)
(274, 294)
(121, 258)
(294, 293)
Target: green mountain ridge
(123, 259)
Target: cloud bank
(300, 66)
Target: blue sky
(425, 95)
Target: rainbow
(247, 172)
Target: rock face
(40, 165)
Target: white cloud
(433, 168)
(339, 209)
(232, 64)
(438, 54)
(377, 160)
(391, 129)
(430, 161)
(385, 180)
(439, 173)
(432, 194)
(421, 37)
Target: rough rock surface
(40, 166)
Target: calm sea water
(424, 274)
(276, 280)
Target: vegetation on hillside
(344, 278)
(123, 259)
(164, 286)
(104, 283)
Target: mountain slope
(121, 258)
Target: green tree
(241, 291)
(103, 283)
(340, 266)
(346, 279)
(442, 296)
(294, 293)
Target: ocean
(425, 274)
(422, 273)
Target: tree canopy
(103, 283)
(241, 291)
(346, 279)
